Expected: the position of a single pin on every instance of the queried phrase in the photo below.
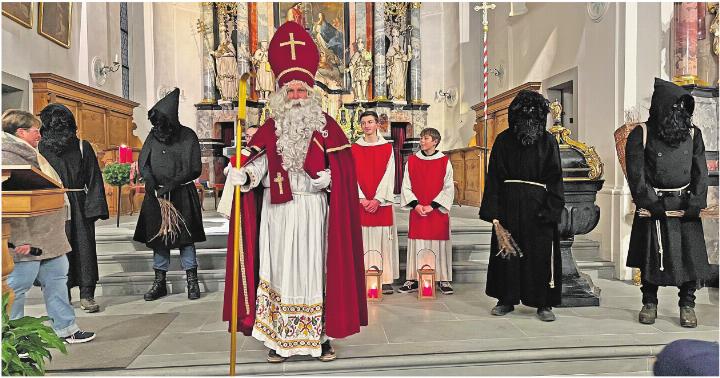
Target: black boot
(193, 289)
(158, 288)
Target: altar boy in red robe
(428, 191)
(375, 167)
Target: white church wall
(95, 31)
(176, 55)
(24, 51)
(440, 65)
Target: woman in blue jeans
(38, 244)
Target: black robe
(77, 171)
(175, 164)
(531, 214)
(659, 165)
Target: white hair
(295, 122)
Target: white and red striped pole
(485, 7)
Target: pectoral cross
(279, 180)
(292, 42)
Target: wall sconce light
(450, 96)
(101, 71)
(499, 72)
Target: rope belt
(552, 248)
(526, 182)
(658, 229)
(168, 195)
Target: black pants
(686, 293)
(86, 292)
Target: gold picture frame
(55, 22)
(22, 13)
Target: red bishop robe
(345, 306)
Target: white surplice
(292, 248)
(382, 238)
(441, 248)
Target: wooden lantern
(373, 284)
(426, 282)
(426, 273)
(373, 277)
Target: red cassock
(345, 306)
(370, 165)
(427, 178)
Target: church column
(685, 51)
(208, 67)
(415, 68)
(243, 38)
(380, 70)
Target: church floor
(454, 335)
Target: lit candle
(427, 289)
(373, 292)
(124, 154)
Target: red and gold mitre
(293, 54)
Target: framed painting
(55, 22)
(22, 13)
(329, 25)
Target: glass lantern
(426, 274)
(373, 276)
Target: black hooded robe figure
(169, 163)
(524, 192)
(668, 171)
(77, 165)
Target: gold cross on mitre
(279, 180)
(292, 42)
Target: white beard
(294, 126)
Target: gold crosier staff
(238, 252)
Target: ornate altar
(369, 60)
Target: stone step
(116, 240)
(601, 359)
(214, 258)
(211, 280)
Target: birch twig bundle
(171, 219)
(507, 246)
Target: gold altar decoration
(562, 135)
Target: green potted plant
(28, 336)
(117, 174)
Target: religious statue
(227, 67)
(360, 68)
(556, 111)
(264, 79)
(397, 63)
(295, 13)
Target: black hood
(164, 116)
(671, 109)
(665, 95)
(58, 129)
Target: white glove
(237, 176)
(323, 180)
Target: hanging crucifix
(484, 8)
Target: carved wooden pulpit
(26, 192)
